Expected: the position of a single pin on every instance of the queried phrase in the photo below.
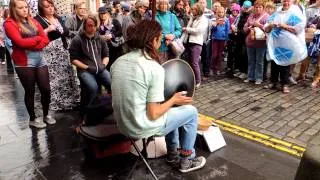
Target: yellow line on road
(267, 140)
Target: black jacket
(90, 51)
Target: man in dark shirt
(90, 54)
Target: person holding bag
(171, 29)
(195, 32)
(256, 42)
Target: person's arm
(104, 53)
(246, 26)
(227, 29)
(44, 38)
(79, 64)
(69, 24)
(177, 27)
(155, 95)
(156, 110)
(13, 33)
(288, 28)
(75, 56)
(268, 27)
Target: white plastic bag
(286, 48)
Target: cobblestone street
(292, 117)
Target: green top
(136, 80)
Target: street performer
(138, 95)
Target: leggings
(29, 76)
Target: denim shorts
(34, 59)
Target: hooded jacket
(90, 51)
(23, 45)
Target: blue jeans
(90, 82)
(180, 129)
(255, 63)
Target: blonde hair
(198, 6)
(15, 17)
(221, 8)
(270, 4)
(162, 1)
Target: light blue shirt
(136, 81)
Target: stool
(144, 154)
(109, 134)
(309, 167)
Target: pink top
(253, 18)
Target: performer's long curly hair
(142, 35)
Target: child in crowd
(219, 35)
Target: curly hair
(142, 35)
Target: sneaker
(258, 82)
(285, 89)
(187, 165)
(242, 76)
(237, 74)
(246, 81)
(49, 120)
(38, 123)
(173, 159)
(292, 80)
(197, 86)
(3, 62)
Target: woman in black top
(110, 31)
(64, 91)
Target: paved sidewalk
(292, 117)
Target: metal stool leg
(143, 158)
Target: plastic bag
(286, 48)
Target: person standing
(256, 48)
(28, 39)
(65, 94)
(195, 30)
(110, 32)
(74, 22)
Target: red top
(20, 44)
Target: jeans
(195, 51)
(91, 81)
(217, 54)
(180, 129)
(255, 63)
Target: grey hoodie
(90, 51)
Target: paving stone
(311, 132)
(294, 123)
(274, 128)
(255, 123)
(310, 121)
(266, 124)
(284, 130)
(315, 140)
(257, 114)
(303, 117)
(294, 133)
(247, 113)
(288, 118)
(315, 116)
(304, 137)
(275, 135)
(296, 141)
(281, 123)
(302, 127)
(316, 126)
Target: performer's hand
(180, 98)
